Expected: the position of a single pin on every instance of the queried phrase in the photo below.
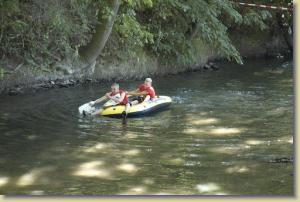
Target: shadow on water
(220, 133)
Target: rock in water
(206, 66)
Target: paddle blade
(86, 108)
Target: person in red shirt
(146, 90)
(120, 100)
(116, 94)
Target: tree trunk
(92, 50)
(193, 31)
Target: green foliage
(170, 22)
(133, 34)
(128, 27)
(257, 18)
(42, 32)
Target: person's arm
(151, 92)
(137, 93)
(133, 92)
(102, 98)
(146, 98)
(99, 100)
(118, 100)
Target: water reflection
(209, 188)
(93, 169)
(135, 191)
(3, 181)
(36, 175)
(128, 168)
(219, 133)
(96, 148)
(132, 152)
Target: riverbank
(18, 78)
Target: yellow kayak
(150, 106)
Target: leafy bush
(42, 32)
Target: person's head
(148, 81)
(115, 87)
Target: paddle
(89, 107)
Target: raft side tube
(162, 102)
(152, 110)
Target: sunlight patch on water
(176, 161)
(92, 169)
(228, 149)
(207, 121)
(3, 181)
(222, 131)
(130, 136)
(163, 193)
(220, 193)
(286, 139)
(128, 168)
(96, 148)
(224, 150)
(225, 131)
(177, 190)
(279, 111)
(148, 181)
(283, 139)
(237, 169)
(131, 152)
(37, 192)
(194, 131)
(170, 159)
(27, 179)
(32, 177)
(209, 188)
(254, 142)
(135, 190)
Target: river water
(218, 137)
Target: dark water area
(217, 138)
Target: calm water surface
(217, 138)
